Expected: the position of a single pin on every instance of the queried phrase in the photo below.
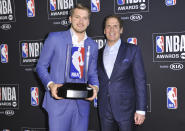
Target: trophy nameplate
(73, 90)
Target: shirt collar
(113, 48)
(75, 37)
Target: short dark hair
(113, 16)
(80, 6)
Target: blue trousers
(70, 118)
(109, 123)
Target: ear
(88, 23)
(121, 31)
(70, 19)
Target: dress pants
(70, 118)
(108, 122)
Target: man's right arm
(45, 59)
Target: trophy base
(75, 91)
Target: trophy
(76, 70)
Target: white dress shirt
(109, 58)
(75, 39)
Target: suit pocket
(124, 65)
(125, 61)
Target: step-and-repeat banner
(157, 26)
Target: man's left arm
(140, 86)
(92, 71)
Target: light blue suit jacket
(53, 58)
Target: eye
(107, 26)
(76, 17)
(85, 18)
(116, 26)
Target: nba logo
(34, 96)
(121, 2)
(30, 8)
(24, 50)
(172, 98)
(170, 2)
(132, 41)
(95, 5)
(52, 5)
(160, 44)
(4, 53)
(77, 62)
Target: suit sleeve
(140, 81)
(92, 71)
(45, 59)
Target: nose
(81, 20)
(111, 28)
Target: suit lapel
(68, 37)
(86, 44)
(119, 58)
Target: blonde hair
(82, 7)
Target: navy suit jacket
(126, 88)
(51, 67)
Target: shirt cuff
(140, 112)
(49, 84)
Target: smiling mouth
(80, 25)
(111, 34)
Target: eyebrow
(112, 25)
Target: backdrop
(157, 26)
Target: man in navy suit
(68, 114)
(122, 81)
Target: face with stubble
(79, 20)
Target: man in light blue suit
(67, 114)
(122, 95)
